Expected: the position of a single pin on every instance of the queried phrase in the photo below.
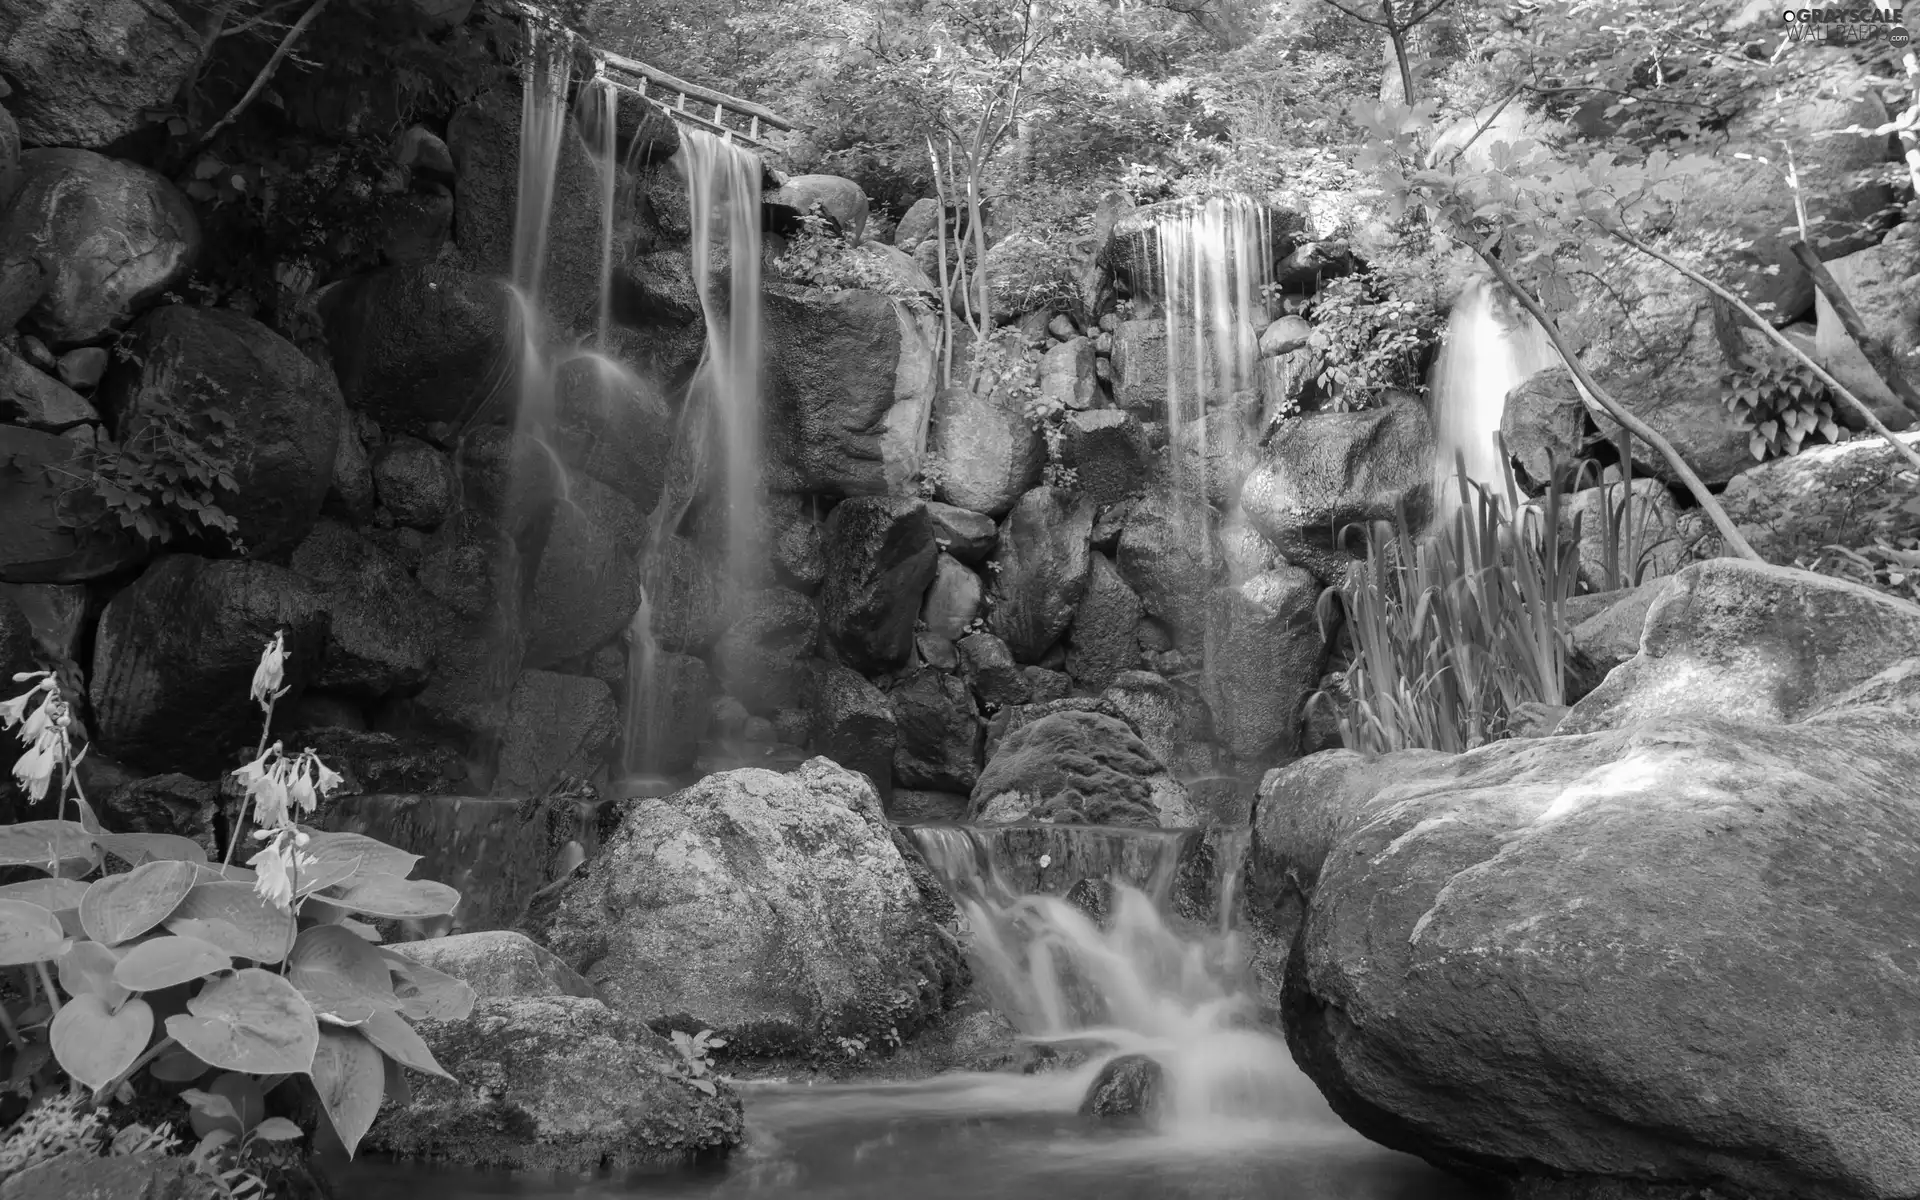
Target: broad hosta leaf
(251, 1021)
(232, 1102)
(397, 1040)
(166, 961)
(218, 873)
(51, 894)
(95, 1045)
(86, 969)
(326, 875)
(278, 1129)
(426, 994)
(375, 856)
(37, 843)
(138, 848)
(350, 1075)
(399, 1088)
(393, 897)
(28, 934)
(342, 976)
(125, 906)
(233, 917)
(177, 1064)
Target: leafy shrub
(164, 958)
(1455, 632)
(1783, 407)
(818, 257)
(1371, 341)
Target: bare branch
(260, 81)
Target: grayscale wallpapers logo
(1846, 24)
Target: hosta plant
(147, 967)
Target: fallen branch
(1766, 327)
(1882, 362)
(260, 81)
(1730, 535)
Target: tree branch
(1766, 327)
(1883, 363)
(260, 81)
(1730, 535)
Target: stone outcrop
(1040, 570)
(1080, 768)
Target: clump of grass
(1454, 632)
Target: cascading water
(720, 420)
(1491, 348)
(1135, 985)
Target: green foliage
(695, 1057)
(1453, 633)
(1631, 531)
(817, 257)
(1371, 340)
(166, 478)
(1783, 407)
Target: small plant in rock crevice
(1369, 341)
(167, 975)
(821, 258)
(1783, 407)
(696, 1061)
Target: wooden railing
(700, 107)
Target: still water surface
(969, 1137)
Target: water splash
(719, 430)
(1491, 348)
(1135, 983)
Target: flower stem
(13, 1034)
(46, 981)
(240, 822)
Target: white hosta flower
(278, 865)
(272, 670)
(13, 711)
(34, 771)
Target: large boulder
(1140, 367)
(415, 483)
(499, 963)
(284, 411)
(967, 535)
(1321, 473)
(762, 658)
(587, 585)
(611, 426)
(1746, 641)
(420, 347)
(851, 722)
(987, 453)
(841, 199)
(938, 733)
(1545, 424)
(116, 235)
(380, 635)
(1101, 642)
(175, 653)
(473, 568)
(1851, 495)
(954, 599)
(1108, 453)
(1265, 658)
(498, 852)
(1040, 570)
(555, 1083)
(1162, 556)
(1079, 768)
(880, 558)
(1877, 281)
(54, 532)
(773, 909)
(87, 72)
(557, 726)
(35, 399)
(679, 700)
(1535, 962)
(849, 391)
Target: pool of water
(972, 1137)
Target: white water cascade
(1491, 347)
(1137, 985)
(720, 419)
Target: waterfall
(720, 421)
(1135, 983)
(603, 121)
(1491, 347)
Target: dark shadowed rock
(1107, 450)
(612, 426)
(1131, 1085)
(851, 722)
(919, 804)
(506, 478)
(939, 733)
(351, 494)
(795, 546)
(850, 379)
(53, 532)
(587, 586)
(557, 725)
(475, 570)
(381, 763)
(171, 803)
(954, 599)
(1162, 556)
(1101, 643)
(86, 74)
(774, 909)
(991, 672)
(1041, 570)
(498, 963)
(1081, 768)
(35, 399)
(988, 453)
(880, 558)
(285, 411)
(963, 533)
(1266, 659)
(116, 235)
(175, 654)
(415, 482)
(380, 638)
(687, 611)
(554, 1083)
(1545, 424)
(761, 660)
(416, 346)
(148, 1175)
(1323, 472)
(683, 693)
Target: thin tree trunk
(1882, 362)
(1766, 327)
(1730, 535)
(1397, 37)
